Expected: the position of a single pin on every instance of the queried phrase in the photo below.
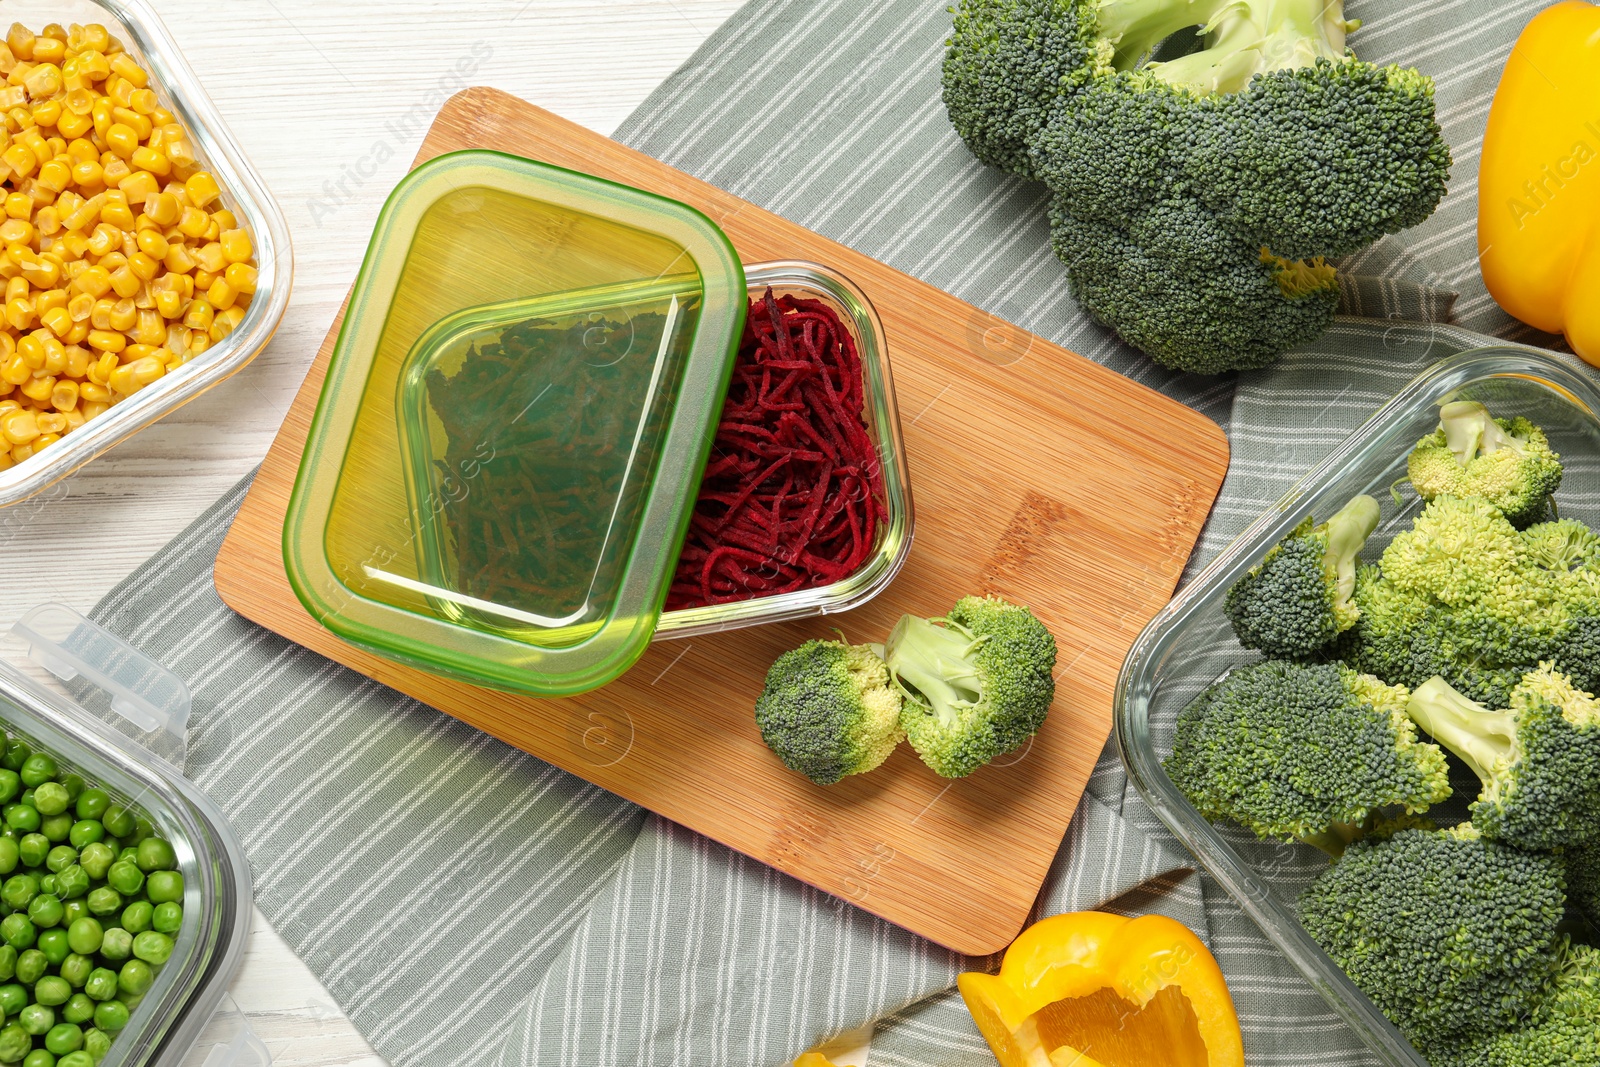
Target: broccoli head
(976, 683)
(1583, 877)
(1299, 597)
(1507, 462)
(1564, 1030)
(829, 710)
(1463, 594)
(1538, 759)
(1303, 752)
(1198, 198)
(1452, 936)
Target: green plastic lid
(514, 424)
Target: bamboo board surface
(1083, 497)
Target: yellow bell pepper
(1539, 181)
(1089, 989)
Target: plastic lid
(514, 425)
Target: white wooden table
(312, 89)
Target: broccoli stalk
(1298, 599)
(1538, 760)
(976, 683)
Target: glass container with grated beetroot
(805, 508)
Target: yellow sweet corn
(119, 260)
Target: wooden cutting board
(1037, 475)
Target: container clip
(142, 691)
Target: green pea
(37, 1019)
(74, 785)
(103, 901)
(163, 886)
(52, 991)
(31, 966)
(45, 910)
(26, 798)
(125, 877)
(10, 854)
(22, 818)
(167, 918)
(156, 854)
(52, 798)
(64, 1038)
(13, 998)
(60, 858)
(136, 917)
(85, 936)
(56, 827)
(53, 943)
(117, 945)
(38, 769)
(17, 931)
(47, 885)
(152, 947)
(72, 881)
(15, 1043)
(92, 803)
(111, 1016)
(86, 832)
(33, 848)
(10, 786)
(129, 854)
(19, 890)
(76, 970)
(39, 1057)
(83, 1057)
(17, 753)
(80, 1009)
(73, 910)
(96, 1043)
(8, 963)
(96, 860)
(119, 821)
(102, 984)
(135, 977)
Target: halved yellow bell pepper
(1539, 181)
(1088, 989)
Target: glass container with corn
(120, 261)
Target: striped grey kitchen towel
(466, 903)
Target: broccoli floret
(1465, 595)
(1451, 935)
(1564, 1030)
(1006, 63)
(829, 710)
(977, 683)
(1299, 597)
(1197, 199)
(1189, 294)
(1507, 462)
(1303, 752)
(1583, 877)
(1538, 759)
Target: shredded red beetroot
(793, 495)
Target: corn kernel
(124, 67)
(77, 362)
(124, 315)
(179, 259)
(19, 427)
(164, 210)
(194, 222)
(43, 81)
(100, 317)
(148, 159)
(202, 189)
(86, 214)
(116, 170)
(59, 320)
(48, 50)
(242, 277)
(107, 341)
(132, 377)
(31, 351)
(199, 341)
(221, 295)
(152, 244)
(40, 272)
(48, 112)
(64, 397)
(200, 315)
(21, 161)
(50, 300)
(15, 370)
(19, 206)
(169, 303)
(144, 267)
(55, 356)
(38, 389)
(212, 257)
(203, 280)
(125, 283)
(151, 329)
(100, 373)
